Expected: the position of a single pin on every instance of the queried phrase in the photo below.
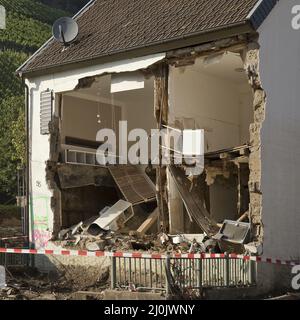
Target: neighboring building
(228, 67)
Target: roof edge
(196, 39)
(80, 12)
(260, 12)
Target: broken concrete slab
(96, 246)
(254, 248)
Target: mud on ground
(10, 222)
(24, 283)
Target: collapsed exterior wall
(280, 191)
(248, 48)
(160, 70)
(51, 173)
(45, 197)
(251, 61)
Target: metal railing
(15, 260)
(11, 259)
(21, 197)
(183, 273)
(142, 273)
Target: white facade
(280, 76)
(40, 212)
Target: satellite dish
(65, 30)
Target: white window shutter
(46, 103)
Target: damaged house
(218, 66)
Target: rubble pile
(28, 284)
(25, 283)
(78, 237)
(108, 232)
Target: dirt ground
(10, 231)
(25, 283)
(10, 224)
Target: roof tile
(111, 26)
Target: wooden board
(147, 224)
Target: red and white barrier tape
(84, 253)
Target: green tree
(28, 27)
(12, 142)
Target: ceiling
(228, 66)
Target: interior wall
(176, 207)
(217, 104)
(223, 199)
(138, 107)
(79, 117)
(245, 113)
(80, 204)
(41, 213)
(220, 100)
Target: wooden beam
(147, 224)
(193, 202)
(161, 110)
(243, 217)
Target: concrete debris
(254, 248)
(137, 245)
(77, 239)
(96, 246)
(90, 234)
(211, 246)
(178, 239)
(106, 232)
(163, 238)
(195, 237)
(68, 233)
(162, 243)
(75, 228)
